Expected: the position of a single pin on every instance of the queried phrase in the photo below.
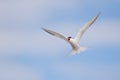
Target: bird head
(69, 38)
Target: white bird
(76, 48)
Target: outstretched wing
(85, 27)
(55, 33)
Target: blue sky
(28, 53)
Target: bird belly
(75, 46)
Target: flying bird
(74, 42)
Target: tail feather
(74, 52)
(71, 53)
(82, 49)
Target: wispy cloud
(22, 10)
(13, 71)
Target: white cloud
(32, 9)
(14, 71)
(24, 10)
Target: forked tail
(74, 52)
(81, 49)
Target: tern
(74, 42)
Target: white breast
(74, 44)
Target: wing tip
(98, 14)
(42, 28)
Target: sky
(29, 53)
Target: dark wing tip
(48, 31)
(98, 14)
(43, 28)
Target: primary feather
(55, 33)
(85, 27)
